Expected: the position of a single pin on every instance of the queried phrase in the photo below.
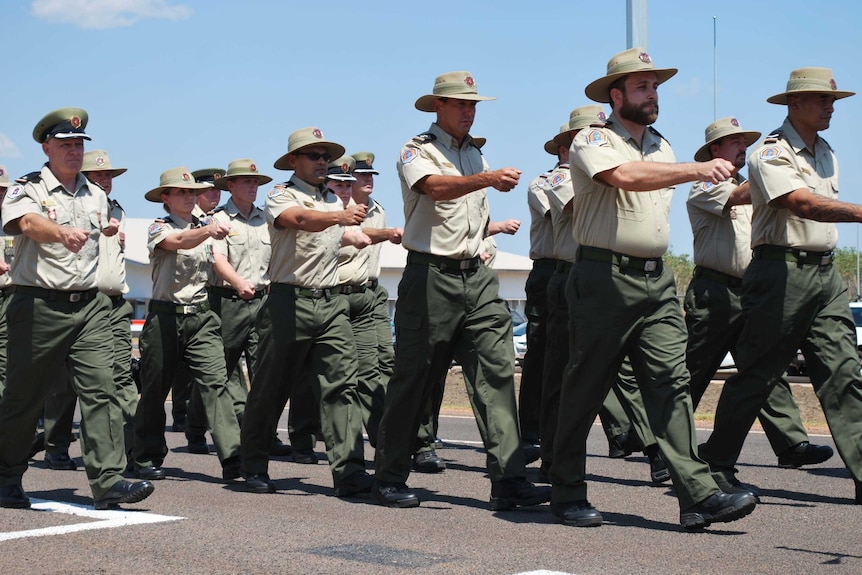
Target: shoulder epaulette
(654, 131)
(774, 136)
(32, 177)
(598, 125)
(164, 220)
(424, 138)
(287, 184)
(217, 210)
(115, 203)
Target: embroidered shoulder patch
(706, 186)
(408, 155)
(15, 191)
(155, 227)
(769, 153)
(558, 178)
(596, 138)
(276, 191)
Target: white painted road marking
(107, 519)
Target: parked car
(519, 337)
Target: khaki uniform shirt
(722, 233)
(305, 259)
(49, 264)
(111, 277)
(632, 223)
(352, 261)
(489, 246)
(247, 245)
(375, 217)
(9, 258)
(559, 193)
(777, 168)
(450, 228)
(178, 276)
(541, 229)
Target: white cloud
(8, 149)
(105, 14)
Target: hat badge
(734, 122)
(187, 177)
(317, 133)
(644, 57)
(345, 167)
(75, 121)
(603, 116)
(252, 168)
(469, 81)
(100, 161)
(368, 163)
(833, 84)
(216, 176)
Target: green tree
(682, 268)
(845, 263)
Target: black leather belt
(348, 289)
(157, 306)
(228, 293)
(545, 263)
(313, 293)
(445, 265)
(6, 291)
(55, 294)
(793, 255)
(646, 265)
(563, 266)
(372, 284)
(717, 276)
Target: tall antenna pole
(636, 24)
(714, 70)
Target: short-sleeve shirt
(305, 259)
(541, 229)
(178, 276)
(559, 193)
(776, 168)
(722, 233)
(51, 265)
(375, 217)
(448, 228)
(112, 257)
(246, 247)
(631, 223)
(352, 261)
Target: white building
(511, 268)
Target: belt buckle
(188, 309)
(650, 265)
(465, 264)
(317, 293)
(825, 260)
(75, 297)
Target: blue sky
(201, 82)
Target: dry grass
(455, 402)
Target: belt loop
(624, 261)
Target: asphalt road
(806, 523)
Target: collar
(795, 140)
(53, 183)
(310, 189)
(448, 140)
(651, 138)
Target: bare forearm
(39, 228)
(740, 195)
(828, 210)
(378, 235)
(442, 188)
(307, 220)
(649, 176)
(226, 272)
(184, 240)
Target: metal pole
(636, 24)
(714, 70)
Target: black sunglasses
(315, 156)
